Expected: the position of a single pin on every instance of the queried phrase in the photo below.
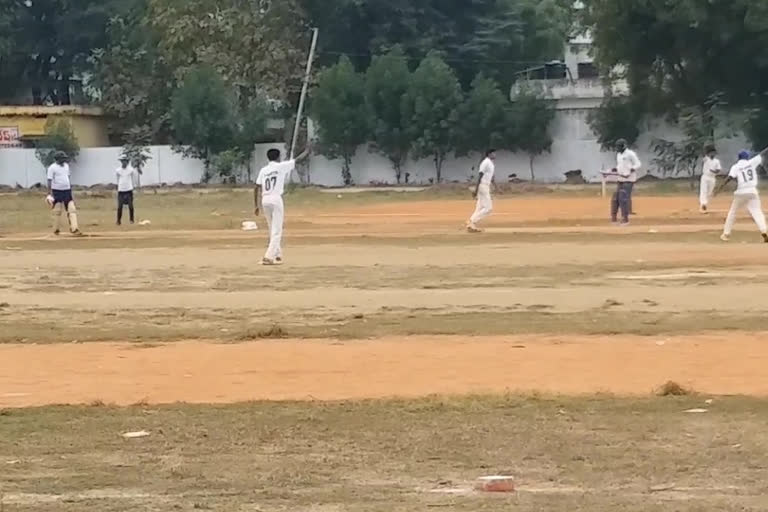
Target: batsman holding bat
(60, 194)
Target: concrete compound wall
(574, 148)
(94, 166)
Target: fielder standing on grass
(60, 194)
(268, 196)
(127, 178)
(483, 191)
(709, 172)
(627, 165)
(746, 195)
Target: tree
(530, 119)
(700, 128)
(338, 106)
(51, 42)
(431, 110)
(483, 118)
(683, 53)
(386, 85)
(8, 78)
(519, 34)
(757, 125)
(135, 148)
(209, 119)
(261, 51)
(617, 118)
(133, 81)
(59, 136)
(201, 114)
(497, 37)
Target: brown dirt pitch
(391, 361)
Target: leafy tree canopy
(338, 105)
(484, 118)
(44, 44)
(497, 37)
(387, 82)
(432, 110)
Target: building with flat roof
(575, 81)
(21, 126)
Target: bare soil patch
(197, 372)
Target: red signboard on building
(9, 136)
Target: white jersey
(627, 164)
(126, 178)
(711, 167)
(59, 176)
(272, 179)
(487, 169)
(745, 172)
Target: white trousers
(708, 184)
(275, 214)
(752, 203)
(484, 204)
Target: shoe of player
(77, 233)
(725, 238)
(703, 210)
(278, 261)
(57, 232)
(471, 228)
(267, 262)
(624, 223)
(765, 237)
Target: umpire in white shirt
(127, 177)
(627, 165)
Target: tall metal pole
(304, 89)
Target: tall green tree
(683, 53)
(202, 113)
(757, 126)
(483, 118)
(531, 116)
(134, 81)
(46, 44)
(617, 118)
(338, 106)
(8, 82)
(261, 51)
(432, 110)
(518, 34)
(212, 123)
(387, 83)
(688, 60)
(497, 37)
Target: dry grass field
(391, 361)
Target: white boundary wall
(95, 166)
(574, 148)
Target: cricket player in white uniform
(60, 194)
(709, 172)
(268, 196)
(746, 195)
(483, 191)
